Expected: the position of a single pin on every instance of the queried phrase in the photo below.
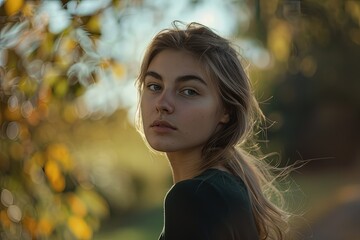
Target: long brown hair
(227, 146)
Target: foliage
(312, 79)
(44, 193)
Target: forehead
(177, 62)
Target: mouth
(162, 124)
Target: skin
(180, 109)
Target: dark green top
(212, 206)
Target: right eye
(153, 87)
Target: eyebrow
(183, 78)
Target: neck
(184, 165)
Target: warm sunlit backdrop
(72, 165)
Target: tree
(43, 69)
(312, 77)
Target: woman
(197, 106)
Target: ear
(225, 118)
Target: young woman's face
(180, 106)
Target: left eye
(189, 92)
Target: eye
(189, 92)
(153, 87)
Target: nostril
(165, 104)
(162, 108)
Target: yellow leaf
(59, 184)
(33, 167)
(77, 205)
(47, 44)
(16, 151)
(28, 10)
(33, 118)
(68, 45)
(79, 228)
(54, 175)
(279, 40)
(96, 204)
(61, 154)
(69, 113)
(51, 76)
(94, 24)
(52, 170)
(57, 150)
(61, 87)
(42, 109)
(4, 219)
(24, 131)
(30, 225)
(28, 86)
(12, 115)
(118, 70)
(45, 227)
(13, 6)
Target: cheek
(142, 101)
(144, 110)
(145, 102)
(202, 119)
(142, 107)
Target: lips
(162, 124)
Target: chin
(161, 147)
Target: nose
(165, 103)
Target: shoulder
(195, 206)
(213, 205)
(192, 190)
(209, 189)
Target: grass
(142, 225)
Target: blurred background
(72, 165)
